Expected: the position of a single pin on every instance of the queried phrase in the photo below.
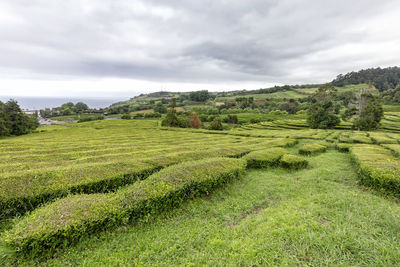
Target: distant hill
(386, 80)
(383, 79)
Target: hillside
(385, 79)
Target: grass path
(317, 216)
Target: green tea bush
(264, 158)
(395, 148)
(311, 149)
(23, 193)
(91, 118)
(343, 147)
(289, 161)
(377, 167)
(66, 220)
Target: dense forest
(383, 79)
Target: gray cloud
(285, 41)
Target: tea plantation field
(129, 192)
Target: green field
(129, 192)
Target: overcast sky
(104, 48)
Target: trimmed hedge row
(311, 149)
(24, 193)
(377, 167)
(289, 161)
(264, 158)
(343, 147)
(395, 148)
(66, 220)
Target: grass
(317, 216)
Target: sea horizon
(35, 103)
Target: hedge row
(289, 161)
(377, 167)
(25, 192)
(311, 149)
(66, 220)
(343, 147)
(264, 158)
(19, 194)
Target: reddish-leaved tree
(195, 121)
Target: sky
(121, 48)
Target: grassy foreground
(315, 216)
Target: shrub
(91, 118)
(152, 115)
(66, 220)
(377, 167)
(22, 193)
(216, 124)
(278, 112)
(343, 147)
(195, 121)
(311, 149)
(289, 161)
(264, 158)
(126, 117)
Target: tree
(171, 119)
(160, 108)
(195, 121)
(320, 116)
(323, 113)
(13, 121)
(66, 111)
(199, 96)
(365, 109)
(231, 119)
(216, 124)
(81, 107)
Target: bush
(377, 167)
(24, 192)
(264, 158)
(278, 112)
(66, 220)
(293, 162)
(216, 124)
(152, 115)
(91, 118)
(343, 147)
(126, 117)
(311, 149)
(254, 120)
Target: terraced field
(66, 186)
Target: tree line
(383, 79)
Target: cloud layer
(195, 42)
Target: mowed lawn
(317, 216)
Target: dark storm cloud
(196, 41)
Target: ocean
(52, 102)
